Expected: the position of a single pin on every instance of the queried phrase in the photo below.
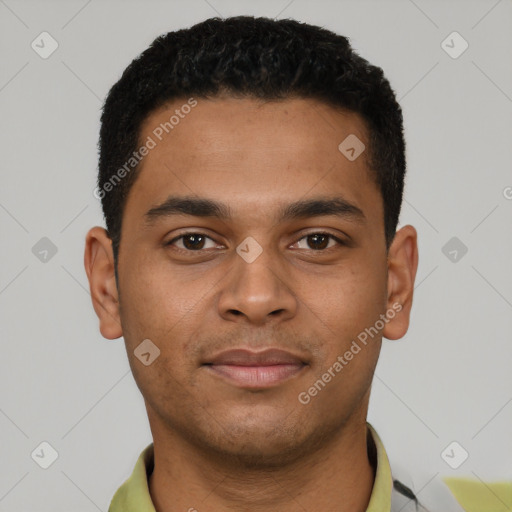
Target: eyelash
(182, 235)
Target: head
(236, 220)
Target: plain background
(447, 380)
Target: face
(291, 257)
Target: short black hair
(249, 57)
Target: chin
(262, 445)
(259, 455)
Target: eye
(320, 241)
(195, 242)
(191, 241)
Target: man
(251, 174)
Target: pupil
(316, 237)
(187, 239)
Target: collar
(133, 495)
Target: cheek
(147, 300)
(352, 343)
(160, 302)
(354, 299)
(154, 308)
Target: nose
(258, 292)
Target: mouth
(255, 370)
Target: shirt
(388, 493)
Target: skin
(219, 447)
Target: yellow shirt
(133, 495)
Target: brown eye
(320, 241)
(193, 241)
(190, 241)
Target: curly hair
(251, 57)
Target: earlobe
(402, 267)
(99, 266)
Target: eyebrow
(202, 207)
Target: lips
(255, 370)
(243, 357)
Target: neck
(338, 477)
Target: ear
(402, 267)
(99, 266)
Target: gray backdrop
(448, 380)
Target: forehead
(251, 153)
(253, 126)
